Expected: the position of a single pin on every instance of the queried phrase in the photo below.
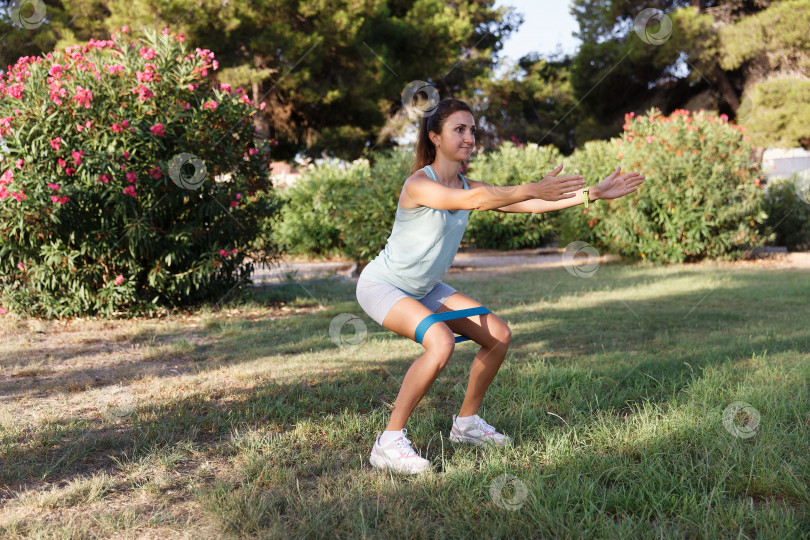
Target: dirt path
(492, 261)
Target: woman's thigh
(487, 330)
(394, 310)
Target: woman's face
(458, 136)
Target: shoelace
(405, 443)
(484, 427)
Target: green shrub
(594, 160)
(307, 223)
(367, 214)
(343, 211)
(511, 165)
(350, 212)
(700, 197)
(788, 214)
(90, 220)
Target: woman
(402, 285)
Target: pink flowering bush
(92, 218)
(701, 197)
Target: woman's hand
(615, 186)
(555, 188)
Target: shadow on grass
(74, 447)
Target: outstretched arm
(421, 190)
(612, 187)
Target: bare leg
(484, 368)
(494, 336)
(439, 343)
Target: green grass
(255, 423)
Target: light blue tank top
(422, 245)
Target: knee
(440, 346)
(502, 334)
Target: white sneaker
(478, 433)
(397, 456)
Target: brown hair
(425, 149)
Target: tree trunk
(725, 88)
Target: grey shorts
(377, 299)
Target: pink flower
(156, 173)
(215, 64)
(233, 251)
(126, 154)
(746, 138)
(132, 178)
(223, 252)
(130, 190)
(103, 178)
(69, 171)
(145, 76)
(181, 38)
(62, 163)
(83, 96)
(54, 187)
(116, 128)
(187, 106)
(15, 90)
(77, 156)
(125, 123)
(119, 279)
(60, 200)
(192, 87)
(19, 163)
(2, 311)
(147, 53)
(158, 130)
(165, 31)
(262, 106)
(20, 266)
(225, 87)
(724, 117)
(210, 105)
(124, 29)
(56, 143)
(238, 196)
(649, 140)
(234, 203)
(143, 92)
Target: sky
(546, 23)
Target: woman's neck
(446, 171)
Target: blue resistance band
(428, 321)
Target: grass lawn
(252, 421)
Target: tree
(534, 102)
(616, 71)
(331, 73)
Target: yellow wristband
(585, 194)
